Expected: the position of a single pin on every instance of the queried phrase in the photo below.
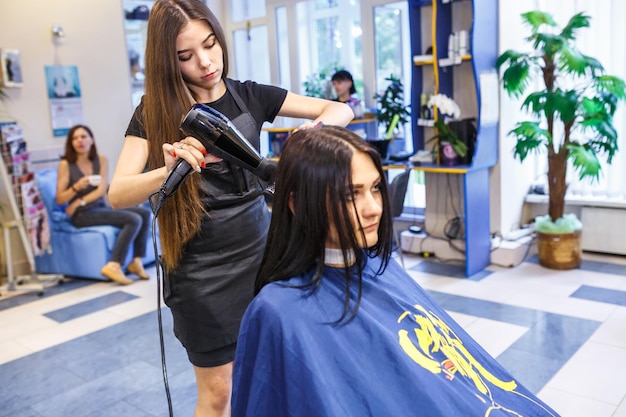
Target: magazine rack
(15, 177)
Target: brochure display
(26, 213)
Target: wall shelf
(462, 79)
(457, 60)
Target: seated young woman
(337, 327)
(81, 187)
(343, 83)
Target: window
(250, 51)
(242, 10)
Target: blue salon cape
(402, 355)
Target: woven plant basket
(559, 251)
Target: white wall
(510, 179)
(95, 43)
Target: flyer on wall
(66, 107)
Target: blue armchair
(76, 252)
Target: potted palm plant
(391, 113)
(583, 113)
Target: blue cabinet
(464, 71)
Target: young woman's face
(368, 200)
(81, 141)
(342, 87)
(200, 56)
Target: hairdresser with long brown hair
(213, 229)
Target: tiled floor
(92, 348)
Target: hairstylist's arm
(131, 185)
(316, 109)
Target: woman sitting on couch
(82, 184)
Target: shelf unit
(471, 80)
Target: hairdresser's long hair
(167, 99)
(315, 174)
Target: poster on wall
(66, 107)
(11, 68)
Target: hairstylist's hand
(308, 125)
(191, 150)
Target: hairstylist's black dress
(213, 285)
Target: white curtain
(605, 40)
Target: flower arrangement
(445, 105)
(445, 137)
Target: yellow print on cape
(433, 345)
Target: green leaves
(550, 104)
(584, 160)
(612, 85)
(530, 138)
(578, 21)
(535, 19)
(572, 61)
(584, 112)
(391, 103)
(517, 74)
(318, 84)
(445, 134)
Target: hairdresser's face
(368, 200)
(81, 141)
(200, 57)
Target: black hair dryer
(221, 138)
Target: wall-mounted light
(58, 34)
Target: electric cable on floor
(159, 289)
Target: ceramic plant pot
(559, 251)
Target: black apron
(210, 290)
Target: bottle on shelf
(425, 111)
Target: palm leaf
(530, 138)
(572, 61)
(579, 20)
(516, 77)
(563, 103)
(535, 19)
(584, 161)
(534, 102)
(611, 84)
(602, 127)
(548, 43)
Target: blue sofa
(76, 252)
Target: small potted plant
(584, 111)
(448, 146)
(392, 114)
(318, 84)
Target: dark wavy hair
(70, 152)
(314, 175)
